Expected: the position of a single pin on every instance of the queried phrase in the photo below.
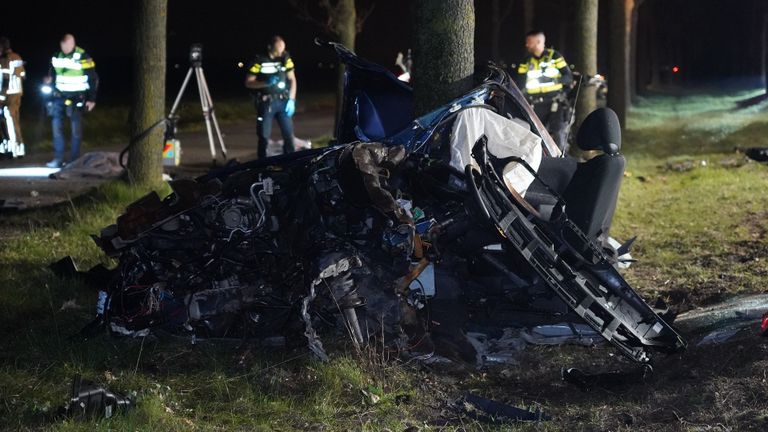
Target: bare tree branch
(362, 15)
(325, 12)
(302, 11)
(329, 10)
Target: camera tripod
(207, 104)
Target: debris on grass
(491, 411)
(606, 380)
(89, 400)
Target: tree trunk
(654, 56)
(585, 55)
(618, 75)
(633, 50)
(528, 15)
(145, 168)
(643, 56)
(764, 50)
(443, 55)
(345, 29)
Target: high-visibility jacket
(11, 74)
(545, 75)
(266, 67)
(74, 74)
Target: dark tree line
(643, 40)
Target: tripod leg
(206, 110)
(213, 114)
(181, 93)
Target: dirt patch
(756, 223)
(706, 388)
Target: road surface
(239, 139)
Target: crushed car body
(416, 231)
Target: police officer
(272, 78)
(75, 82)
(544, 76)
(11, 75)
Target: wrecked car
(409, 231)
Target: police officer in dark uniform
(544, 76)
(273, 81)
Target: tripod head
(196, 54)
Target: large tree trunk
(654, 41)
(443, 55)
(585, 55)
(633, 50)
(528, 15)
(345, 29)
(145, 167)
(619, 48)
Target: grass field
(699, 209)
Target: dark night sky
(710, 39)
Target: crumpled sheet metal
(740, 310)
(373, 160)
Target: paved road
(239, 138)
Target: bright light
(28, 172)
(46, 89)
(281, 85)
(239, 64)
(675, 69)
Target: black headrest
(600, 131)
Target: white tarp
(505, 138)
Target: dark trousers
(555, 121)
(268, 108)
(58, 112)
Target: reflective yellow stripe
(544, 89)
(66, 63)
(523, 68)
(256, 68)
(71, 79)
(87, 63)
(72, 88)
(270, 67)
(66, 83)
(289, 64)
(560, 63)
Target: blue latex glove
(290, 107)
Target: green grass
(701, 232)
(701, 237)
